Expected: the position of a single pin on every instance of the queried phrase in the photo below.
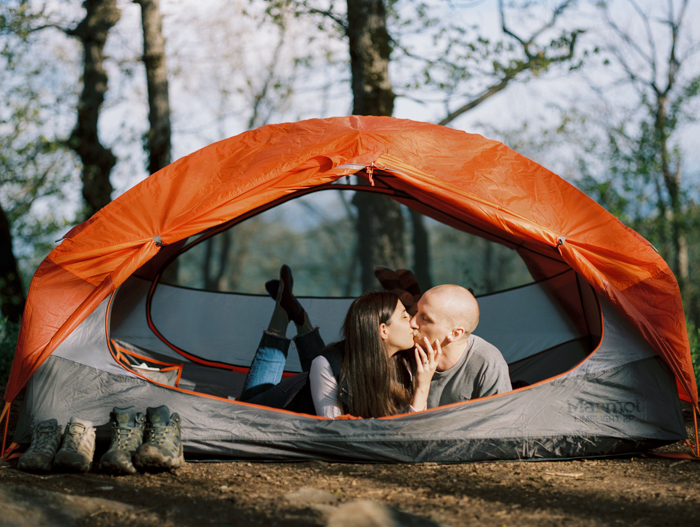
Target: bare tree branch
(489, 92)
(650, 36)
(533, 60)
(505, 29)
(262, 94)
(673, 62)
(302, 7)
(342, 24)
(624, 36)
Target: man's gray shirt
(481, 371)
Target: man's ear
(455, 334)
(383, 333)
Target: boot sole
(153, 459)
(72, 467)
(117, 470)
(72, 462)
(118, 462)
(37, 469)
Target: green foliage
(36, 170)
(8, 342)
(694, 337)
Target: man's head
(447, 313)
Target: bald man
(468, 367)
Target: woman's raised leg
(271, 356)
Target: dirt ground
(635, 490)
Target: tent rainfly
(596, 344)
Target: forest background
(99, 94)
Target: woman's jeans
(262, 384)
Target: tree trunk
(216, 258)
(380, 226)
(97, 160)
(11, 292)
(488, 270)
(158, 140)
(421, 251)
(380, 235)
(672, 184)
(370, 49)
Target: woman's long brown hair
(377, 386)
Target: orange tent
(469, 179)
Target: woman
(382, 371)
(376, 371)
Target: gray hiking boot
(78, 447)
(161, 448)
(46, 438)
(127, 436)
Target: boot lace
(43, 438)
(160, 434)
(163, 434)
(73, 437)
(125, 438)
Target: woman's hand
(427, 357)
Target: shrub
(9, 332)
(694, 337)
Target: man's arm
(494, 378)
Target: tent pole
(695, 450)
(697, 439)
(5, 415)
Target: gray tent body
(619, 398)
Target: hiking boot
(161, 448)
(127, 436)
(78, 447)
(46, 438)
